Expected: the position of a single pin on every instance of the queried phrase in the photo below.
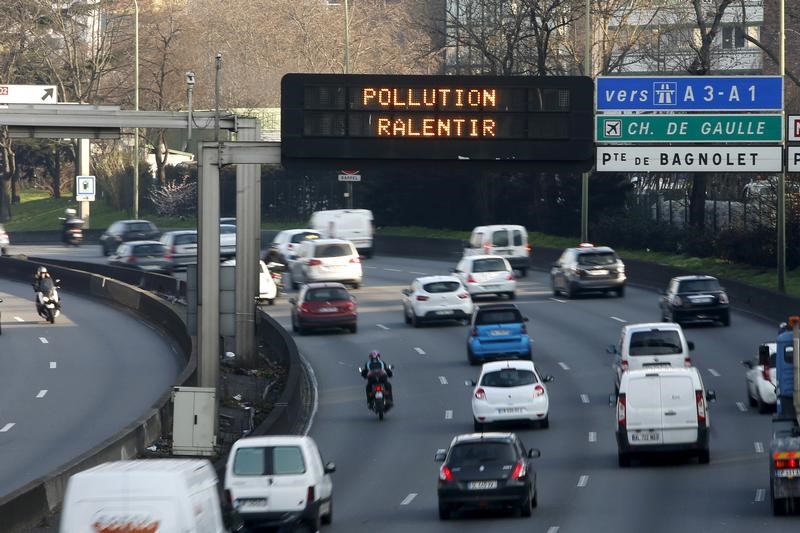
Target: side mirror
(406, 292)
(440, 454)
(292, 301)
(471, 383)
(690, 344)
(525, 319)
(763, 355)
(612, 399)
(391, 367)
(455, 270)
(548, 379)
(533, 453)
(330, 468)
(611, 349)
(748, 364)
(711, 395)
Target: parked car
(324, 305)
(486, 274)
(506, 240)
(695, 299)
(588, 268)
(663, 410)
(5, 242)
(486, 469)
(144, 255)
(181, 248)
(227, 240)
(761, 379)
(326, 260)
(497, 331)
(126, 231)
(354, 225)
(510, 391)
(280, 481)
(285, 244)
(649, 345)
(267, 289)
(433, 298)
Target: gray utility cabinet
(194, 420)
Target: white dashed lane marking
(618, 319)
(43, 340)
(563, 365)
(7, 427)
(52, 364)
(759, 447)
(41, 393)
(760, 493)
(418, 273)
(585, 398)
(408, 499)
(553, 529)
(419, 350)
(583, 481)
(18, 319)
(443, 380)
(741, 407)
(713, 372)
(557, 300)
(592, 436)
(392, 270)
(448, 414)
(381, 326)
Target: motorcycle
(381, 397)
(72, 233)
(276, 270)
(48, 303)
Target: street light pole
(587, 71)
(781, 251)
(136, 108)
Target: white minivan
(663, 410)
(506, 240)
(354, 225)
(279, 481)
(144, 495)
(650, 345)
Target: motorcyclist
(375, 370)
(70, 221)
(42, 283)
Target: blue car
(497, 331)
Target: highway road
(68, 386)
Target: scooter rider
(42, 283)
(70, 222)
(377, 371)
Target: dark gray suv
(588, 268)
(126, 231)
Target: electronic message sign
(352, 116)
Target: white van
(506, 240)
(279, 481)
(650, 345)
(663, 410)
(354, 225)
(170, 495)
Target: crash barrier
(765, 303)
(291, 413)
(26, 506)
(90, 236)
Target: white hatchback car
(761, 379)
(436, 298)
(267, 290)
(326, 260)
(227, 240)
(486, 274)
(510, 390)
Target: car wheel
(104, 251)
(354, 328)
(471, 357)
(406, 318)
(569, 292)
(444, 512)
(704, 457)
(523, 272)
(328, 518)
(415, 321)
(356, 286)
(271, 301)
(750, 400)
(535, 499)
(621, 291)
(477, 426)
(544, 423)
(525, 508)
(512, 295)
(624, 459)
(726, 319)
(4, 250)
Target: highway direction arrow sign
(689, 93)
(688, 128)
(84, 188)
(28, 94)
(793, 125)
(689, 159)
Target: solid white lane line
(585, 398)
(7, 427)
(760, 493)
(41, 393)
(713, 372)
(592, 436)
(557, 300)
(418, 273)
(419, 350)
(408, 499)
(381, 326)
(448, 414)
(52, 364)
(759, 447)
(392, 270)
(443, 380)
(741, 407)
(18, 319)
(618, 319)
(43, 340)
(583, 481)
(563, 365)
(342, 363)
(553, 529)
(371, 267)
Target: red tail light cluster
(464, 295)
(314, 262)
(701, 407)
(355, 260)
(786, 463)
(687, 361)
(510, 277)
(480, 394)
(474, 332)
(624, 365)
(349, 306)
(445, 474)
(378, 388)
(310, 495)
(520, 470)
(538, 390)
(228, 498)
(621, 420)
(470, 279)
(421, 298)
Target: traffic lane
(97, 380)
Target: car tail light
(538, 390)
(228, 498)
(520, 470)
(464, 295)
(378, 388)
(677, 301)
(621, 421)
(421, 298)
(355, 260)
(687, 361)
(701, 407)
(480, 394)
(510, 277)
(445, 474)
(131, 259)
(723, 298)
(310, 495)
(529, 247)
(624, 365)
(786, 459)
(314, 262)
(305, 308)
(349, 306)
(290, 246)
(470, 279)
(524, 329)
(474, 332)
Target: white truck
(354, 225)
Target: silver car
(588, 268)
(181, 247)
(142, 255)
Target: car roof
(665, 326)
(271, 440)
(433, 279)
(508, 363)
(693, 277)
(299, 230)
(179, 232)
(496, 307)
(478, 437)
(327, 241)
(593, 249)
(130, 220)
(498, 226)
(483, 256)
(324, 284)
(690, 371)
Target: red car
(324, 305)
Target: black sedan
(695, 299)
(486, 470)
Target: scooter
(72, 233)
(276, 270)
(48, 303)
(381, 399)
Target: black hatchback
(695, 299)
(484, 470)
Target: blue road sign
(689, 93)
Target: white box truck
(354, 225)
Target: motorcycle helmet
(69, 212)
(374, 355)
(41, 271)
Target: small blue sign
(689, 93)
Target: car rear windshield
(442, 286)
(269, 461)
(140, 226)
(699, 285)
(475, 453)
(489, 265)
(498, 316)
(500, 238)
(148, 249)
(324, 295)
(509, 377)
(655, 342)
(305, 236)
(597, 258)
(186, 238)
(332, 250)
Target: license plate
(787, 472)
(499, 332)
(645, 436)
(491, 286)
(252, 503)
(510, 410)
(598, 272)
(379, 395)
(327, 309)
(445, 312)
(482, 485)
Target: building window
(732, 37)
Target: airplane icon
(613, 128)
